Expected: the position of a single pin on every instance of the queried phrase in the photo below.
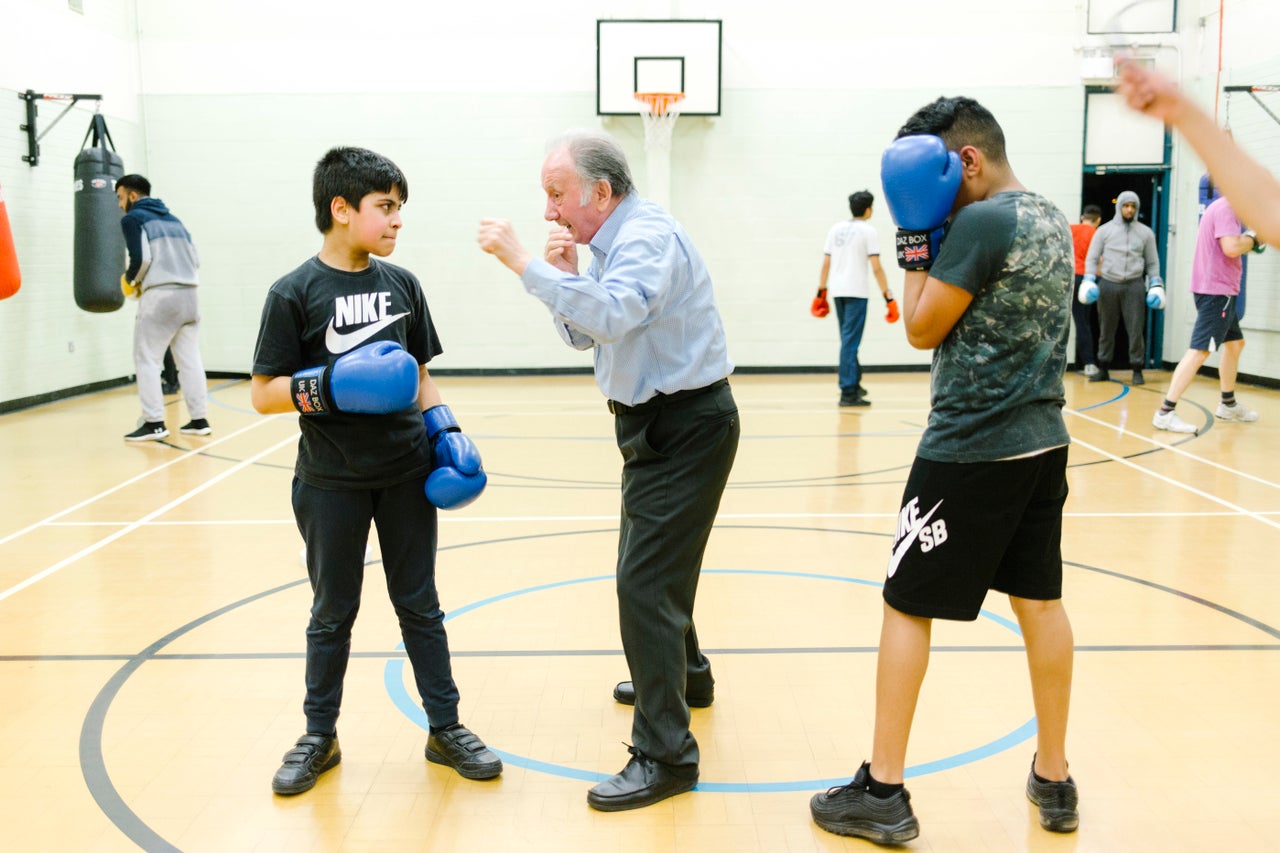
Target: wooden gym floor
(152, 609)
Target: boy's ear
(340, 210)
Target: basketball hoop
(659, 111)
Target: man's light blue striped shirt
(646, 306)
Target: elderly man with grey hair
(645, 308)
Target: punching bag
(10, 277)
(99, 242)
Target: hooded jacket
(160, 249)
(1122, 251)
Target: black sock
(435, 730)
(1168, 406)
(881, 790)
(1228, 398)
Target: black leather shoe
(641, 783)
(1103, 375)
(625, 694)
(463, 751)
(1137, 379)
(303, 764)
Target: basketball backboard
(657, 56)
(1119, 17)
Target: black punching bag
(99, 243)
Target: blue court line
(393, 680)
(1208, 420)
(1124, 391)
(117, 811)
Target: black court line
(1234, 614)
(92, 764)
(395, 654)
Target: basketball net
(659, 111)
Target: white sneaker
(1091, 370)
(1170, 421)
(1236, 413)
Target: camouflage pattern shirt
(996, 379)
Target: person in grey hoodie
(1122, 266)
(162, 274)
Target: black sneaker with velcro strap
(459, 748)
(312, 755)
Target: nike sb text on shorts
(1217, 322)
(966, 527)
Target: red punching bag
(10, 276)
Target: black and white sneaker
(199, 426)
(149, 431)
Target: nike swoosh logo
(900, 550)
(338, 342)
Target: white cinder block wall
(227, 106)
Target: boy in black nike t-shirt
(344, 340)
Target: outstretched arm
(1253, 191)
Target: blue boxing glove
(377, 379)
(921, 179)
(458, 478)
(1155, 292)
(1088, 292)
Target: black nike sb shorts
(967, 527)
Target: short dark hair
(1092, 211)
(136, 183)
(960, 122)
(859, 202)
(352, 173)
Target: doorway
(1101, 186)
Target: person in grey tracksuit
(162, 269)
(1123, 260)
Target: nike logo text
(908, 516)
(368, 308)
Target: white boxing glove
(1088, 292)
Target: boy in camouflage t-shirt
(982, 507)
(997, 376)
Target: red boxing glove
(820, 307)
(892, 314)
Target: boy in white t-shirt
(850, 246)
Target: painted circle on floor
(393, 677)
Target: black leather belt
(660, 400)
